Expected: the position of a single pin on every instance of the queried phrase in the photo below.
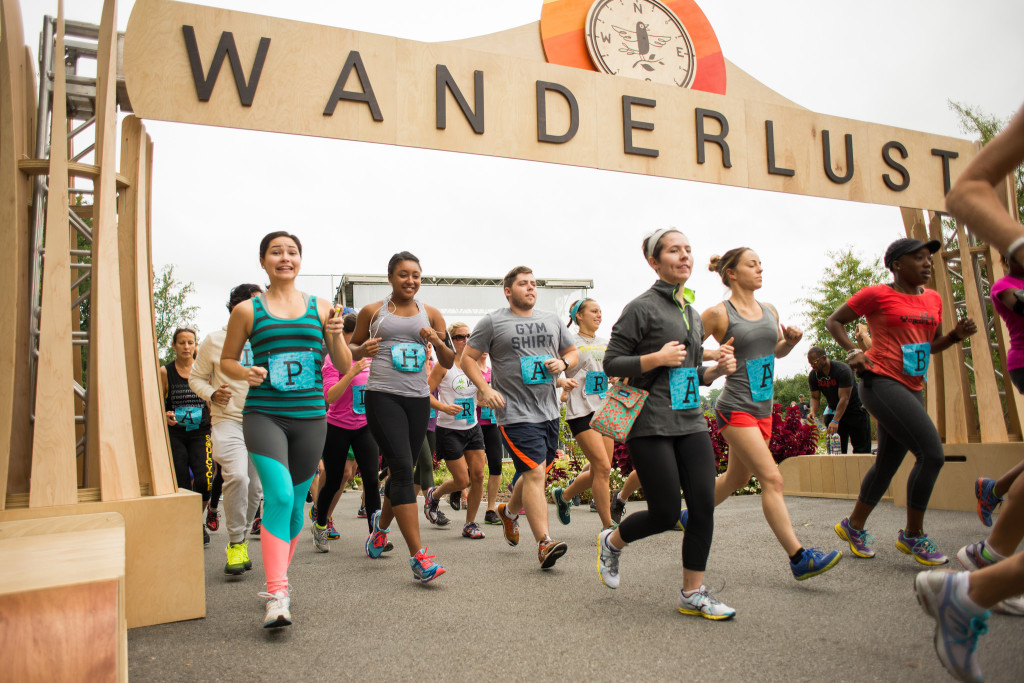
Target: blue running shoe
(562, 506)
(956, 629)
(681, 524)
(377, 542)
(985, 490)
(814, 562)
(424, 568)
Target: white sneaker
(703, 604)
(1011, 606)
(956, 629)
(278, 610)
(320, 541)
(607, 560)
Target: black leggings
(218, 485)
(399, 425)
(492, 447)
(665, 464)
(336, 448)
(423, 469)
(193, 451)
(903, 424)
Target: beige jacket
(207, 377)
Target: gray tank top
(400, 366)
(751, 388)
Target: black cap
(907, 245)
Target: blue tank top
(292, 352)
(752, 387)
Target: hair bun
(713, 264)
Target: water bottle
(835, 444)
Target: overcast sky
(218, 191)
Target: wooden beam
(54, 480)
(913, 222)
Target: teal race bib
(468, 410)
(533, 369)
(246, 359)
(596, 383)
(189, 417)
(683, 386)
(761, 374)
(916, 358)
(359, 399)
(408, 356)
(486, 413)
(433, 413)
(294, 371)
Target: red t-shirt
(902, 327)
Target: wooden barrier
(826, 476)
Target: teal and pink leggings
(285, 452)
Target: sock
(961, 585)
(320, 526)
(512, 517)
(794, 559)
(989, 554)
(608, 544)
(618, 497)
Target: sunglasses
(460, 337)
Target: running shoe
(361, 513)
(442, 519)
(389, 547)
(257, 527)
(956, 629)
(235, 565)
(246, 562)
(491, 517)
(618, 507)
(857, 538)
(1013, 607)
(206, 538)
(972, 557)
(471, 530)
(683, 517)
(985, 490)
(922, 548)
(430, 506)
(423, 568)
(309, 496)
(562, 506)
(332, 533)
(455, 500)
(211, 519)
(593, 505)
(278, 610)
(378, 539)
(575, 499)
(320, 538)
(548, 552)
(814, 562)
(511, 526)
(703, 604)
(607, 560)
(312, 514)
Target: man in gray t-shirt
(529, 349)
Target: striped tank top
(291, 351)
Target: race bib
(486, 413)
(246, 359)
(468, 410)
(533, 369)
(916, 358)
(293, 371)
(359, 399)
(408, 356)
(596, 383)
(761, 374)
(683, 388)
(189, 417)
(433, 413)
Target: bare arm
(330, 320)
(815, 404)
(239, 329)
(487, 396)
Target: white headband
(652, 240)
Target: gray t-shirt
(509, 338)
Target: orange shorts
(735, 418)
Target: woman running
(346, 430)
(492, 445)
(283, 418)
(188, 422)
(458, 435)
(905, 321)
(587, 386)
(395, 332)
(656, 344)
(744, 408)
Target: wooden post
(913, 222)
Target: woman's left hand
(965, 328)
(792, 334)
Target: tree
(977, 122)
(170, 301)
(843, 278)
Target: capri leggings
(665, 464)
(399, 425)
(285, 452)
(903, 424)
(492, 447)
(339, 440)
(423, 472)
(193, 451)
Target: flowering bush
(791, 435)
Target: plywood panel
(828, 480)
(54, 479)
(110, 434)
(814, 474)
(839, 476)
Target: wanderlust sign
(217, 67)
